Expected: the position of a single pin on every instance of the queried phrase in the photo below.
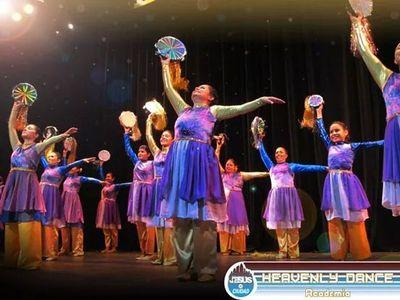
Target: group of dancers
(185, 196)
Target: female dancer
(283, 211)
(139, 205)
(191, 181)
(21, 206)
(165, 250)
(73, 230)
(107, 217)
(233, 232)
(389, 82)
(50, 181)
(344, 200)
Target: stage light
(28, 9)
(5, 7)
(16, 17)
(70, 26)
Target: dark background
(85, 77)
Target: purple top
(159, 163)
(195, 122)
(73, 183)
(232, 182)
(143, 171)
(110, 191)
(25, 158)
(341, 155)
(391, 94)
(281, 176)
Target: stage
(120, 275)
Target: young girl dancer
(21, 206)
(107, 217)
(283, 211)
(233, 232)
(73, 230)
(50, 181)
(165, 249)
(139, 205)
(344, 200)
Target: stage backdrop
(86, 77)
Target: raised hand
(71, 131)
(319, 111)
(89, 159)
(165, 60)
(272, 100)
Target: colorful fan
(362, 7)
(315, 100)
(24, 92)
(257, 129)
(171, 47)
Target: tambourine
(25, 93)
(171, 47)
(362, 7)
(104, 155)
(257, 129)
(69, 143)
(127, 119)
(160, 119)
(315, 101)
(50, 131)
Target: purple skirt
(108, 215)
(236, 208)
(54, 206)
(139, 205)
(72, 207)
(201, 179)
(156, 198)
(391, 153)
(21, 195)
(338, 186)
(283, 205)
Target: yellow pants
(232, 242)
(110, 239)
(23, 245)
(147, 238)
(347, 237)
(49, 241)
(165, 248)
(74, 234)
(288, 241)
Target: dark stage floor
(119, 275)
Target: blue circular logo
(239, 281)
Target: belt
(340, 171)
(141, 181)
(157, 177)
(283, 186)
(192, 139)
(22, 169)
(392, 116)
(50, 184)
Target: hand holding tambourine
(102, 156)
(24, 95)
(157, 115)
(258, 131)
(129, 121)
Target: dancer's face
(143, 155)
(166, 138)
(281, 155)
(53, 158)
(202, 94)
(397, 55)
(338, 133)
(30, 132)
(109, 178)
(230, 166)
